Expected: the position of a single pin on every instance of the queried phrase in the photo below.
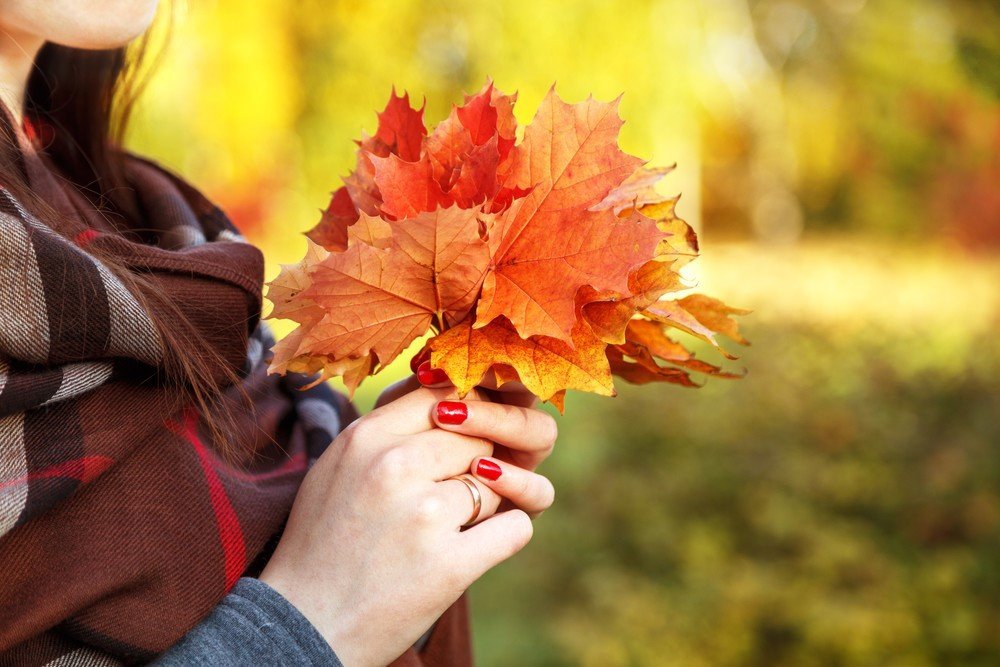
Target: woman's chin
(82, 24)
(99, 42)
(106, 36)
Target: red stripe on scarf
(85, 237)
(230, 532)
(83, 469)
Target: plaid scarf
(120, 524)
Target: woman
(161, 497)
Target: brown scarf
(120, 525)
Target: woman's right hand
(373, 553)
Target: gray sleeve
(253, 625)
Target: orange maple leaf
(547, 261)
(610, 312)
(400, 132)
(385, 290)
(549, 243)
(646, 342)
(545, 366)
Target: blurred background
(841, 161)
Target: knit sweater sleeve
(253, 625)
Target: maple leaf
(341, 213)
(550, 261)
(409, 187)
(476, 179)
(545, 366)
(702, 317)
(285, 293)
(645, 370)
(549, 243)
(447, 147)
(636, 191)
(351, 371)
(387, 287)
(608, 313)
(292, 279)
(400, 132)
(646, 342)
(715, 315)
(459, 162)
(467, 147)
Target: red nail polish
(430, 376)
(419, 358)
(452, 412)
(488, 470)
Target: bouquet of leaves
(548, 260)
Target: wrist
(331, 621)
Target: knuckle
(492, 416)
(524, 420)
(357, 433)
(343, 443)
(484, 444)
(428, 511)
(391, 468)
(348, 449)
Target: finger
(438, 454)
(407, 415)
(527, 490)
(396, 390)
(458, 501)
(485, 545)
(528, 432)
(511, 393)
(432, 377)
(420, 357)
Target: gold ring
(477, 498)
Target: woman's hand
(373, 552)
(511, 393)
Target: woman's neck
(17, 56)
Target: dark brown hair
(86, 98)
(74, 91)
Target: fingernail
(488, 470)
(452, 412)
(430, 376)
(419, 358)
